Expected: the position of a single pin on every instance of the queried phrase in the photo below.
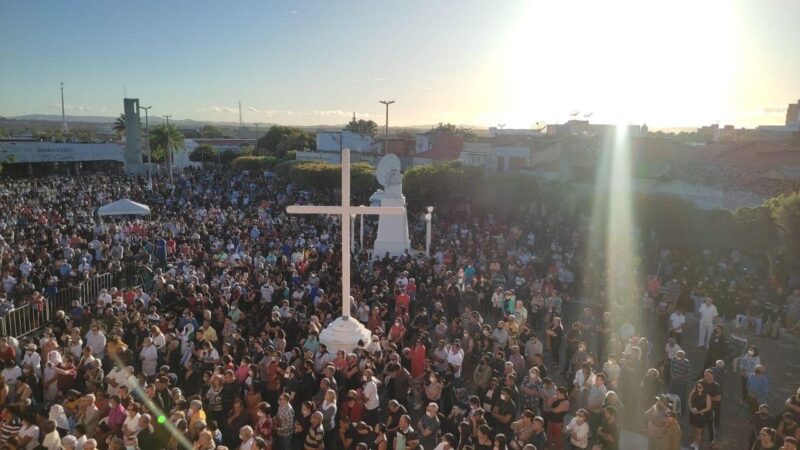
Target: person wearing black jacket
(231, 390)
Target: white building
(495, 158)
(329, 141)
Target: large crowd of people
(499, 340)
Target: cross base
(344, 334)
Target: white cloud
(293, 12)
(220, 109)
(775, 109)
(253, 109)
(336, 112)
(79, 108)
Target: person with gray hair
(246, 436)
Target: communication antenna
(241, 124)
(574, 113)
(587, 115)
(63, 115)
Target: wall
(329, 142)
(35, 152)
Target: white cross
(344, 211)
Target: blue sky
(477, 62)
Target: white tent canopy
(123, 207)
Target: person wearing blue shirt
(757, 388)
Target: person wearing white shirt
(33, 358)
(676, 322)
(672, 348)
(149, 357)
(104, 299)
(10, 374)
(28, 435)
(455, 357)
(131, 425)
(578, 430)
(114, 379)
(25, 267)
(708, 312)
(371, 400)
(96, 340)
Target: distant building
(583, 127)
(334, 141)
(495, 131)
(793, 114)
(432, 147)
(219, 145)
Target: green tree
(406, 134)
(211, 132)
(785, 211)
(164, 137)
(119, 124)
(439, 184)
(204, 153)
(449, 128)
(362, 127)
(281, 139)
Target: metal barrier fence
(28, 318)
(24, 320)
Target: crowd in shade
(504, 338)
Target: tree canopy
(362, 127)
(211, 132)
(279, 140)
(163, 137)
(204, 153)
(449, 128)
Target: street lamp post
(428, 218)
(149, 154)
(361, 238)
(387, 103)
(501, 126)
(168, 156)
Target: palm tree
(119, 124)
(163, 138)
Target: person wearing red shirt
(402, 301)
(8, 354)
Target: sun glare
(620, 58)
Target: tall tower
(133, 132)
(241, 124)
(63, 115)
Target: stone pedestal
(344, 334)
(392, 229)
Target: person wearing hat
(656, 417)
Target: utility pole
(149, 154)
(255, 145)
(241, 124)
(169, 149)
(501, 126)
(387, 103)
